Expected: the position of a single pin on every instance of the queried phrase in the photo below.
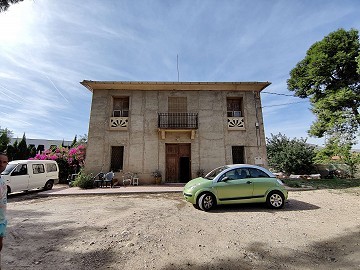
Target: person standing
(3, 200)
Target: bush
(84, 181)
(291, 156)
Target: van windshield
(9, 169)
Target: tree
(5, 4)
(5, 137)
(328, 75)
(22, 149)
(291, 156)
(340, 147)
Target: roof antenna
(177, 65)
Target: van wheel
(49, 185)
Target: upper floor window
(121, 107)
(234, 107)
(177, 104)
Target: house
(179, 128)
(42, 144)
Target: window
(255, 173)
(40, 148)
(117, 158)
(177, 104)
(53, 147)
(21, 169)
(238, 154)
(51, 167)
(121, 107)
(232, 175)
(234, 107)
(38, 168)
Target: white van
(21, 175)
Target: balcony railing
(119, 123)
(236, 123)
(178, 120)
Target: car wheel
(206, 201)
(49, 185)
(275, 199)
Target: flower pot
(158, 180)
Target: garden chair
(99, 179)
(108, 178)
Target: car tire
(49, 185)
(275, 199)
(206, 201)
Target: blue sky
(48, 47)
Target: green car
(236, 183)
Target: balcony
(236, 123)
(177, 122)
(119, 123)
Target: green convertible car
(236, 183)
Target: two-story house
(176, 127)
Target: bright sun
(15, 23)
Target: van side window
(21, 169)
(51, 167)
(38, 168)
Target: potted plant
(157, 175)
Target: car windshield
(211, 175)
(8, 169)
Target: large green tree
(328, 76)
(5, 4)
(291, 156)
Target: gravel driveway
(316, 230)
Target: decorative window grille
(177, 104)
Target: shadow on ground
(337, 253)
(290, 205)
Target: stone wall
(144, 150)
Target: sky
(48, 47)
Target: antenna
(177, 65)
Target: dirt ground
(316, 230)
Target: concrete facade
(145, 144)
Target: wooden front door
(178, 163)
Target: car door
(234, 185)
(19, 178)
(262, 182)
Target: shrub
(84, 181)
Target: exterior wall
(144, 150)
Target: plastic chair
(135, 181)
(108, 178)
(100, 179)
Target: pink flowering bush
(69, 160)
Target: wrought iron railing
(178, 120)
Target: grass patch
(323, 183)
